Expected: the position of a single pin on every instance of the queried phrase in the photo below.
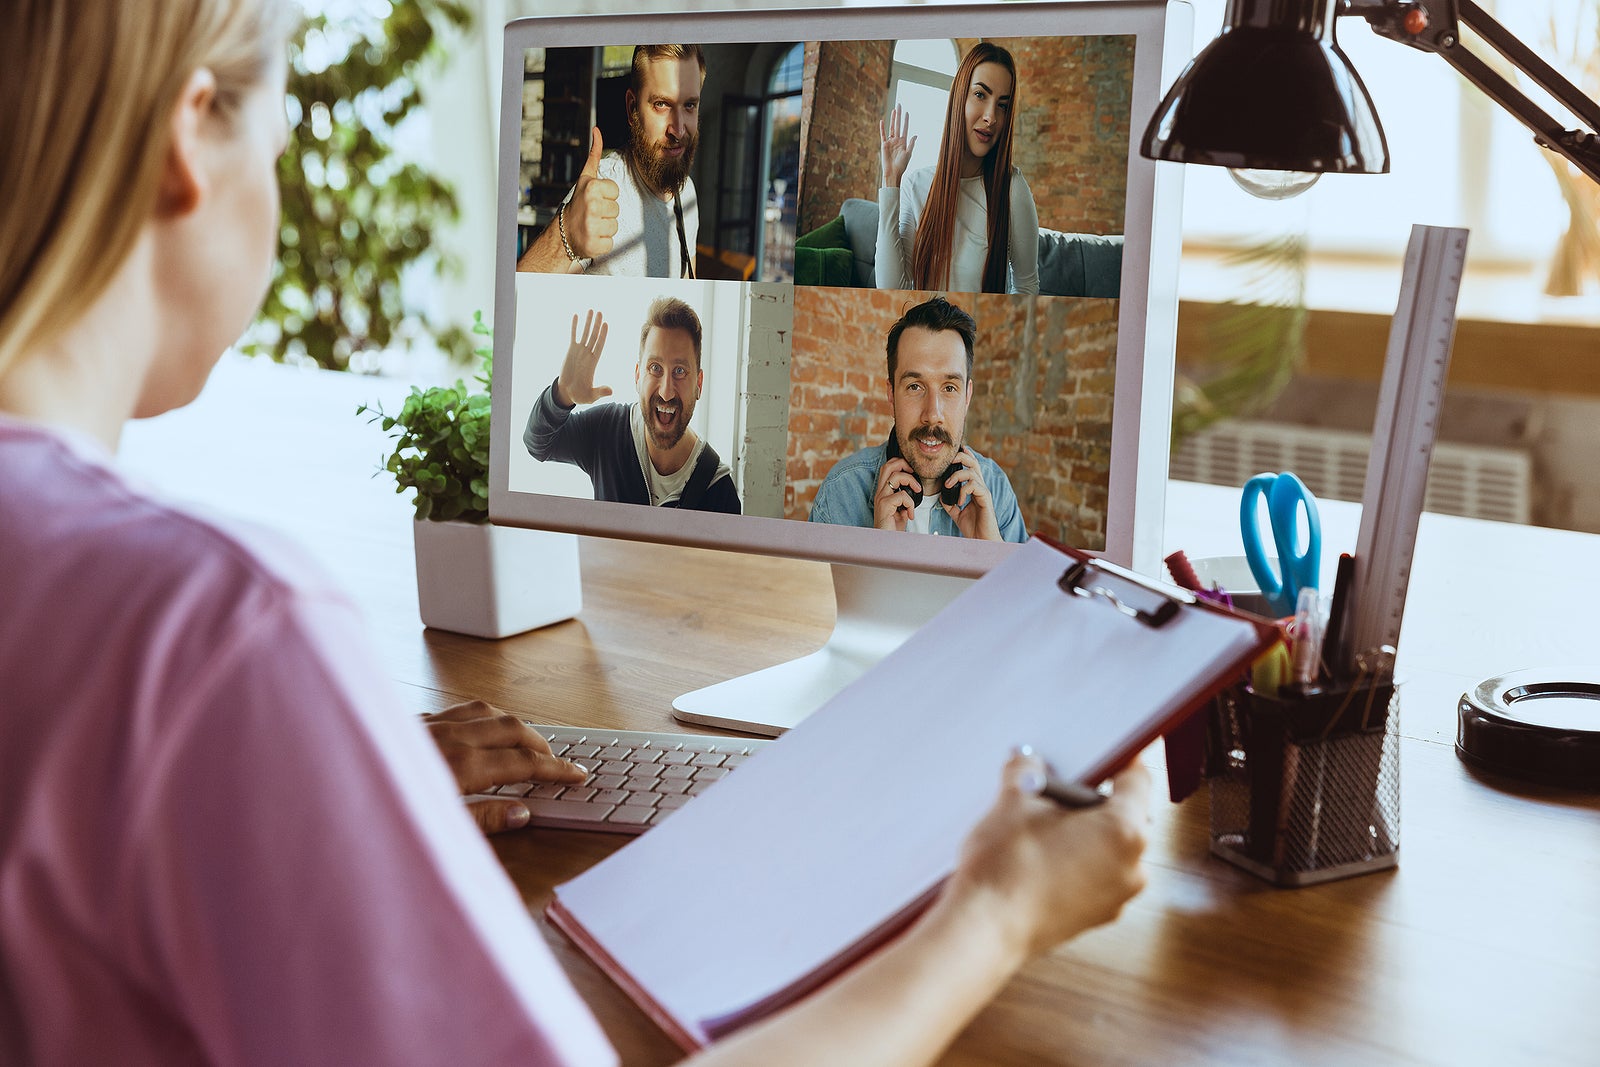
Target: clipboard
(828, 843)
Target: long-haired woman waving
(968, 223)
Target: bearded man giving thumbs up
(635, 213)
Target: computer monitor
(750, 196)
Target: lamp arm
(1432, 26)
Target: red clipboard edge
(568, 924)
(1266, 634)
(681, 1034)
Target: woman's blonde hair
(87, 88)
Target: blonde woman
(968, 223)
(217, 843)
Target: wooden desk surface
(1480, 948)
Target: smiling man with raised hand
(641, 453)
(635, 213)
(924, 478)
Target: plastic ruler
(1410, 401)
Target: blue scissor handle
(1284, 494)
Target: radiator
(1473, 480)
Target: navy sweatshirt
(599, 440)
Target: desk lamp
(1274, 99)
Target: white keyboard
(636, 778)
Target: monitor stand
(877, 610)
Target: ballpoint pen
(1307, 640)
(1042, 783)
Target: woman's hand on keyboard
(486, 747)
(1046, 873)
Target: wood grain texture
(1481, 948)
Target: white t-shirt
(220, 842)
(646, 244)
(969, 245)
(665, 488)
(922, 514)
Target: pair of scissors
(1287, 497)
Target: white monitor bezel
(1147, 314)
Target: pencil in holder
(1306, 788)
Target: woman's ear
(183, 177)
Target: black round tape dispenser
(1538, 725)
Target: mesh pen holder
(1306, 789)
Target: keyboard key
(563, 737)
(567, 809)
(639, 777)
(632, 816)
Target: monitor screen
(846, 284)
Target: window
(920, 83)
(782, 166)
(1456, 159)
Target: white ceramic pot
(494, 581)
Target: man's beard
(665, 438)
(660, 172)
(913, 455)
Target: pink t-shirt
(221, 841)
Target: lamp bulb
(1273, 184)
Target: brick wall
(1071, 138)
(764, 397)
(1041, 407)
(851, 81)
(1043, 375)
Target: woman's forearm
(900, 1007)
(889, 268)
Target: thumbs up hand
(590, 217)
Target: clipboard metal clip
(1127, 592)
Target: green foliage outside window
(356, 218)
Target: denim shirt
(845, 497)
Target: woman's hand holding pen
(1042, 873)
(486, 747)
(895, 151)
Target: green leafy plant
(356, 218)
(441, 443)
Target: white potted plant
(472, 577)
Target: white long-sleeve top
(900, 210)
